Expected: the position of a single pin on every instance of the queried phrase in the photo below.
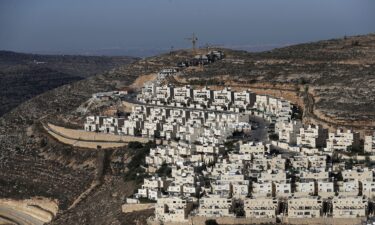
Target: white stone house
(183, 94)
(276, 175)
(282, 189)
(348, 188)
(244, 99)
(93, 123)
(288, 131)
(255, 149)
(317, 161)
(304, 188)
(313, 136)
(262, 189)
(368, 188)
(148, 92)
(342, 140)
(223, 97)
(150, 185)
(164, 94)
(260, 207)
(277, 163)
(369, 145)
(215, 206)
(358, 174)
(349, 207)
(300, 162)
(173, 209)
(318, 175)
(326, 188)
(111, 125)
(304, 207)
(203, 96)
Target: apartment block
(260, 207)
(304, 188)
(326, 189)
(313, 136)
(341, 140)
(304, 207)
(370, 143)
(215, 206)
(349, 207)
(288, 131)
(173, 209)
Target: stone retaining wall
(127, 208)
(84, 139)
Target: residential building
(304, 207)
(260, 207)
(215, 206)
(313, 136)
(370, 143)
(288, 131)
(341, 140)
(349, 207)
(173, 209)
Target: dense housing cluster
(203, 59)
(213, 175)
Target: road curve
(8, 213)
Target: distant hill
(23, 76)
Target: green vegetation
(211, 222)
(238, 208)
(274, 137)
(138, 152)
(164, 170)
(355, 150)
(146, 200)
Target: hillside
(337, 77)
(332, 80)
(23, 76)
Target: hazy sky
(117, 26)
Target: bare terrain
(332, 80)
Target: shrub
(211, 222)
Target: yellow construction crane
(193, 40)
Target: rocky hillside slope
(337, 74)
(23, 76)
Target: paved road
(18, 217)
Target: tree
(274, 137)
(211, 222)
(164, 170)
